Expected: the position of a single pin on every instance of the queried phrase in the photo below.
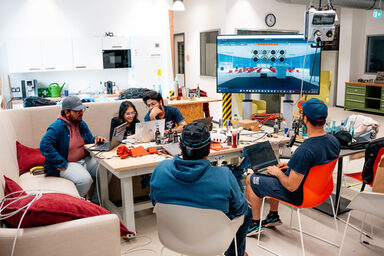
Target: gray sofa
(89, 236)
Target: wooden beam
(171, 33)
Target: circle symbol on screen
(255, 52)
(282, 59)
(264, 51)
(282, 52)
(273, 59)
(273, 52)
(264, 59)
(255, 59)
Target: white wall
(355, 26)
(227, 15)
(71, 18)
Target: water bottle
(284, 126)
(351, 129)
(101, 88)
(276, 127)
(333, 130)
(198, 91)
(304, 131)
(157, 135)
(342, 127)
(235, 122)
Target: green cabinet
(366, 97)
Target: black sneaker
(272, 220)
(253, 229)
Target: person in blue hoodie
(191, 180)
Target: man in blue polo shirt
(287, 180)
(157, 110)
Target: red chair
(357, 176)
(318, 186)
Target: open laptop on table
(260, 156)
(117, 137)
(145, 132)
(207, 121)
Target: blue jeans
(81, 173)
(241, 236)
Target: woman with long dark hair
(128, 114)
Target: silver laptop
(117, 137)
(260, 156)
(172, 148)
(145, 132)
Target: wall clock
(270, 20)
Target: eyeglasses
(152, 104)
(130, 113)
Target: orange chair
(357, 176)
(318, 186)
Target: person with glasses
(127, 114)
(63, 147)
(157, 110)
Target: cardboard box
(249, 124)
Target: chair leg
(235, 240)
(345, 232)
(335, 218)
(261, 214)
(301, 232)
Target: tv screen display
(374, 61)
(267, 64)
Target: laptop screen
(119, 131)
(260, 155)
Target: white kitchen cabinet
(115, 43)
(24, 55)
(57, 54)
(87, 53)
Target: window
(208, 53)
(374, 60)
(180, 58)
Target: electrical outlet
(17, 89)
(13, 89)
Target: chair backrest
(377, 161)
(195, 231)
(368, 202)
(318, 185)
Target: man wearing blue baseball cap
(286, 180)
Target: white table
(125, 169)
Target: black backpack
(33, 101)
(371, 152)
(133, 93)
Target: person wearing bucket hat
(286, 180)
(191, 180)
(63, 147)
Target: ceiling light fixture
(178, 5)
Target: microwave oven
(117, 58)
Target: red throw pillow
(51, 208)
(28, 157)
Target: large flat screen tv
(267, 64)
(374, 60)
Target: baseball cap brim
(78, 108)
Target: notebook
(207, 121)
(145, 132)
(260, 156)
(117, 137)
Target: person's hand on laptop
(99, 139)
(283, 166)
(274, 170)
